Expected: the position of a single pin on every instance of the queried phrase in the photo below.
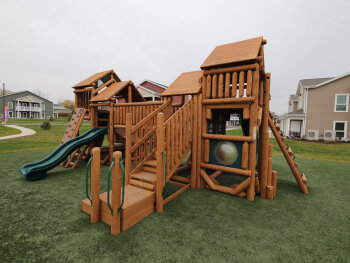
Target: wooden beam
(225, 169)
(227, 137)
(228, 100)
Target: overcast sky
(52, 45)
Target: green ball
(226, 153)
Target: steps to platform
(138, 203)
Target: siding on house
(320, 114)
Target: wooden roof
(92, 79)
(186, 83)
(121, 89)
(235, 52)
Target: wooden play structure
(151, 144)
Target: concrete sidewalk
(24, 132)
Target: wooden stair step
(150, 169)
(152, 163)
(145, 176)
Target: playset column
(95, 185)
(160, 163)
(128, 147)
(116, 193)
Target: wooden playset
(148, 141)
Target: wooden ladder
(288, 155)
(77, 156)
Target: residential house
(319, 109)
(60, 111)
(152, 91)
(27, 105)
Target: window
(10, 104)
(341, 102)
(10, 114)
(340, 128)
(42, 106)
(43, 115)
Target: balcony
(26, 108)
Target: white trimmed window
(340, 128)
(10, 114)
(42, 106)
(341, 102)
(10, 104)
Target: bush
(45, 125)
(69, 116)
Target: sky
(49, 46)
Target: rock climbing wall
(74, 124)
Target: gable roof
(121, 89)
(234, 52)
(313, 82)
(333, 79)
(26, 91)
(152, 86)
(92, 79)
(186, 83)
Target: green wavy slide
(37, 170)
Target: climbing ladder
(288, 155)
(71, 132)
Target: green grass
(42, 221)
(43, 139)
(5, 131)
(338, 152)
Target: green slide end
(37, 170)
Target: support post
(128, 147)
(194, 183)
(160, 163)
(110, 132)
(95, 185)
(116, 193)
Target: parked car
(86, 118)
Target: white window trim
(10, 103)
(346, 105)
(345, 127)
(43, 115)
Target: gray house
(27, 105)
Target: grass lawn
(43, 221)
(5, 131)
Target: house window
(43, 115)
(10, 104)
(42, 106)
(340, 128)
(10, 114)
(341, 102)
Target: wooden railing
(236, 82)
(138, 110)
(176, 133)
(141, 138)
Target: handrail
(87, 178)
(123, 185)
(139, 103)
(145, 120)
(108, 185)
(173, 116)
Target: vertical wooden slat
(249, 83)
(227, 85)
(241, 84)
(208, 90)
(244, 163)
(261, 93)
(221, 86)
(168, 149)
(160, 162)
(172, 155)
(234, 85)
(176, 152)
(95, 185)
(116, 193)
(180, 134)
(194, 140)
(128, 147)
(199, 138)
(206, 150)
(110, 132)
(214, 90)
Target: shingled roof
(313, 82)
(186, 83)
(92, 79)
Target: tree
(69, 104)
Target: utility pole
(3, 103)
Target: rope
(88, 167)
(165, 170)
(108, 185)
(123, 185)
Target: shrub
(45, 125)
